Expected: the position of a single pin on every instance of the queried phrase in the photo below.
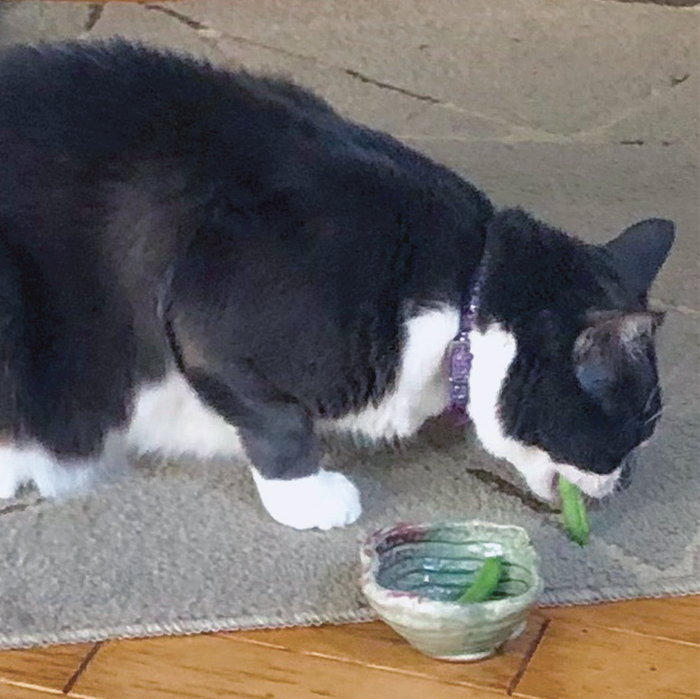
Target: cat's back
(104, 98)
(104, 141)
(84, 116)
(112, 140)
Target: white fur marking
(324, 500)
(32, 464)
(593, 484)
(170, 418)
(494, 351)
(421, 390)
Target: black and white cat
(206, 262)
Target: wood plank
(376, 645)
(588, 662)
(215, 666)
(10, 690)
(592, 645)
(50, 668)
(673, 618)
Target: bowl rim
(388, 597)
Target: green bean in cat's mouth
(573, 510)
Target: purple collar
(460, 349)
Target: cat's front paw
(322, 501)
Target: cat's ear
(639, 252)
(611, 344)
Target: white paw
(16, 470)
(58, 481)
(22, 465)
(324, 500)
(10, 481)
(29, 463)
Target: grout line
(393, 88)
(684, 310)
(82, 667)
(528, 657)
(179, 16)
(95, 11)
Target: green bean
(485, 582)
(573, 511)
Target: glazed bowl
(413, 573)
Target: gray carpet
(187, 548)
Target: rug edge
(568, 598)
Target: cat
(207, 262)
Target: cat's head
(564, 379)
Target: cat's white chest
(421, 390)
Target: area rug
(187, 548)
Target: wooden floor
(634, 650)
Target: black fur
(154, 209)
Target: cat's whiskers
(654, 417)
(653, 394)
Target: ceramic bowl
(413, 573)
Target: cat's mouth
(594, 485)
(556, 492)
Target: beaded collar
(460, 352)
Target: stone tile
(669, 118)
(366, 102)
(556, 67)
(363, 101)
(136, 22)
(594, 191)
(29, 22)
